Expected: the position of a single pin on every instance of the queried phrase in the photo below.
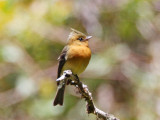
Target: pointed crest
(76, 31)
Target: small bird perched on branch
(75, 56)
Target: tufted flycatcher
(75, 56)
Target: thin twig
(83, 89)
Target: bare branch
(83, 90)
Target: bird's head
(78, 38)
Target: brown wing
(62, 60)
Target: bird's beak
(87, 38)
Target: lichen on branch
(84, 91)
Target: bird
(75, 56)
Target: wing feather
(62, 60)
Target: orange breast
(77, 59)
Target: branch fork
(70, 79)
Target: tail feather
(59, 96)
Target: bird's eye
(80, 39)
